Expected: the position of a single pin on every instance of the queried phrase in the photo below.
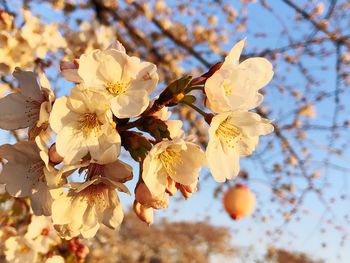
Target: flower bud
(144, 213)
(144, 197)
(53, 155)
(156, 127)
(64, 65)
(174, 92)
(6, 20)
(136, 144)
(73, 244)
(82, 251)
(171, 186)
(187, 190)
(202, 79)
(239, 202)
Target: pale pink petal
(113, 215)
(234, 54)
(222, 165)
(117, 45)
(28, 84)
(152, 175)
(17, 112)
(130, 104)
(118, 171)
(261, 69)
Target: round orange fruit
(239, 202)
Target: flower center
(45, 231)
(170, 160)
(96, 195)
(229, 133)
(24, 249)
(116, 88)
(228, 89)
(94, 169)
(88, 123)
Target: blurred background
(299, 173)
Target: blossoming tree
(133, 91)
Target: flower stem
(194, 87)
(204, 114)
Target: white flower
(308, 110)
(125, 81)
(42, 38)
(19, 249)
(55, 259)
(84, 125)
(231, 135)
(5, 233)
(23, 175)
(87, 205)
(30, 107)
(14, 51)
(235, 86)
(178, 159)
(41, 231)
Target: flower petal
(192, 160)
(113, 215)
(70, 146)
(41, 200)
(261, 69)
(106, 147)
(71, 75)
(118, 171)
(61, 115)
(88, 66)
(109, 69)
(222, 165)
(28, 84)
(21, 173)
(233, 56)
(153, 176)
(130, 104)
(17, 112)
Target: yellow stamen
(229, 133)
(88, 123)
(116, 88)
(24, 250)
(228, 89)
(170, 160)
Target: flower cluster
(32, 40)
(70, 167)
(39, 242)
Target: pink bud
(171, 187)
(144, 213)
(6, 20)
(202, 79)
(69, 65)
(73, 244)
(187, 190)
(53, 155)
(144, 197)
(82, 251)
